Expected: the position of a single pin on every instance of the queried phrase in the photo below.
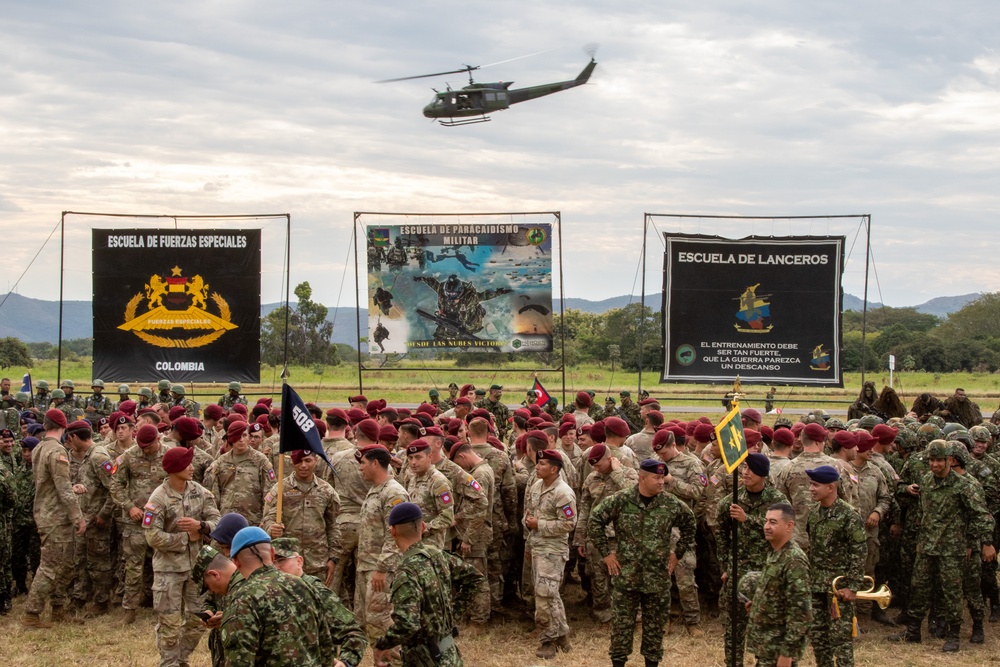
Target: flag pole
(281, 455)
(734, 538)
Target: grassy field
(107, 642)
(410, 384)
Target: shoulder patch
(567, 511)
(475, 484)
(395, 501)
(108, 466)
(854, 478)
(703, 479)
(150, 507)
(715, 480)
(268, 498)
(118, 461)
(270, 474)
(445, 497)
(147, 518)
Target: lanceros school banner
(764, 308)
(459, 286)
(180, 304)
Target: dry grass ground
(107, 642)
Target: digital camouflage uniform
(41, 401)
(432, 492)
(56, 512)
(954, 517)
(430, 590)
(377, 552)
(273, 619)
(873, 496)
(500, 412)
(972, 591)
(753, 551)
(838, 548)
(26, 546)
(642, 444)
(136, 475)
(175, 596)
(228, 401)
(596, 488)
(100, 403)
(351, 488)
(643, 531)
(555, 508)
(632, 415)
(346, 632)
(309, 513)
(782, 607)
(239, 483)
(914, 469)
(8, 504)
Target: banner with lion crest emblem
(180, 304)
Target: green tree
(890, 338)
(886, 316)
(309, 333)
(853, 354)
(13, 352)
(977, 319)
(626, 327)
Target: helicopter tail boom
(533, 92)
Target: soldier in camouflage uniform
(10, 419)
(8, 504)
(177, 520)
(378, 556)
(629, 407)
(430, 590)
(837, 548)
(272, 618)
(233, 397)
(97, 405)
(145, 399)
(26, 547)
(241, 477)
(608, 477)
(97, 567)
(71, 400)
(309, 514)
(135, 475)
(177, 398)
(477, 524)
(42, 398)
(80, 446)
(644, 519)
(781, 603)
(953, 517)
(982, 440)
(163, 392)
(755, 497)
(124, 392)
(430, 490)
(495, 406)
(57, 514)
(962, 463)
(60, 403)
(351, 489)
(549, 518)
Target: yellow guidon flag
(732, 442)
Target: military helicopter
(473, 102)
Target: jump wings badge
(176, 305)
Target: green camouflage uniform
(276, 620)
(347, 634)
(837, 548)
(26, 547)
(11, 419)
(782, 607)
(632, 415)
(914, 468)
(753, 553)
(644, 533)
(954, 517)
(8, 503)
(41, 401)
(425, 613)
(102, 406)
(500, 412)
(228, 401)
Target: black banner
(180, 304)
(766, 309)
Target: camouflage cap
(42, 384)
(959, 452)
(201, 565)
(980, 434)
(783, 421)
(58, 393)
(938, 449)
(868, 422)
(97, 383)
(748, 584)
(937, 420)
(67, 383)
(835, 423)
(286, 547)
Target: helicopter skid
(455, 122)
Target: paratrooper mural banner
(180, 304)
(448, 287)
(766, 309)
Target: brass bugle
(882, 597)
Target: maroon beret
(703, 432)
(547, 418)
(176, 459)
(128, 407)
(537, 435)
(495, 441)
(466, 388)
(146, 434)
(797, 427)
(427, 409)
(56, 416)
(240, 409)
(783, 436)
(418, 445)
(176, 412)
(567, 427)
(538, 421)
(359, 454)
(337, 413)
(78, 424)
(265, 400)
(320, 426)
(256, 427)
(463, 401)
(767, 432)
(846, 439)
(535, 410)
(660, 439)
(680, 435)
(434, 430)
(583, 399)
(597, 431)
(188, 428)
(885, 434)
(300, 454)
(550, 455)
(370, 429)
(388, 432)
(235, 431)
(866, 441)
(647, 401)
(359, 398)
(522, 412)
(616, 426)
(596, 453)
(752, 437)
(237, 417)
(356, 415)
(214, 412)
(752, 414)
(655, 417)
(815, 432)
(163, 427)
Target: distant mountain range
(35, 320)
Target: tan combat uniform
(642, 444)
(873, 496)
(240, 482)
(309, 512)
(377, 552)
(688, 483)
(351, 488)
(477, 530)
(432, 492)
(555, 508)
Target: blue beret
(759, 464)
(405, 513)
(248, 537)
(654, 466)
(823, 474)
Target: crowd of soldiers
(461, 511)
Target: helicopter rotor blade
(467, 68)
(510, 60)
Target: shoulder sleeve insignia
(270, 474)
(118, 461)
(108, 466)
(703, 479)
(445, 497)
(395, 501)
(475, 484)
(854, 478)
(714, 480)
(268, 498)
(147, 518)
(150, 507)
(63, 459)
(567, 511)
(985, 472)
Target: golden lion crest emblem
(175, 302)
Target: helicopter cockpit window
(437, 102)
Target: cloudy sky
(767, 108)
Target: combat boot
(694, 631)
(563, 644)
(911, 634)
(34, 621)
(951, 634)
(617, 663)
(936, 628)
(546, 650)
(879, 616)
(978, 637)
(60, 615)
(651, 663)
